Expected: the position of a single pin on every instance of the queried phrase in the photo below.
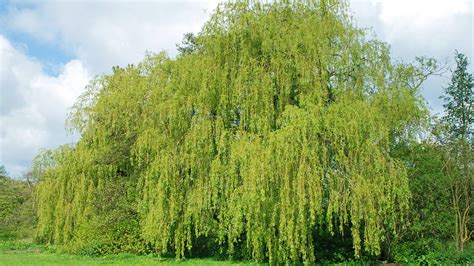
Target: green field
(26, 253)
(41, 258)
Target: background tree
(188, 45)
(459, 161)
(3, 172)
(459, 102)
(430, 224)
(17, 207)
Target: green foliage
(459, 146)
(17, 209)
(99, 217)
(3, 172)
(271, 138)
(188, 45)
(432, 251)
(15, 245)
(459, 101)
(431, 213)
(439, 168)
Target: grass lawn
(18, 253)
(43, 258)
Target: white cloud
(34, 105)
(103, 34)
(421, 13)
(99, 35)
(433, 28)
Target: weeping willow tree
(277, 121)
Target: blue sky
(49, 50)
(50, 54)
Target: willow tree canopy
(275, 122)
